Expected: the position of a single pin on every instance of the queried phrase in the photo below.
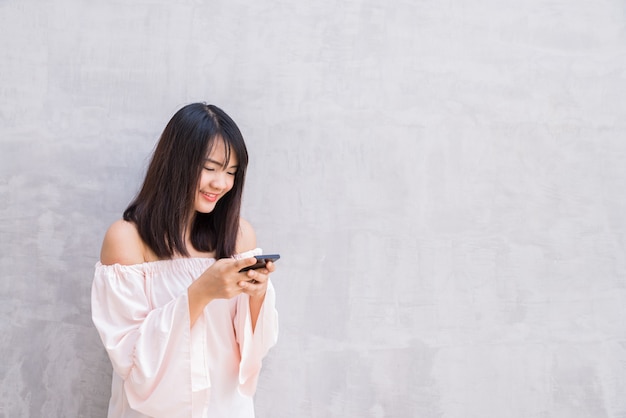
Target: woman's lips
(211, 197)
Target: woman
(185, 330)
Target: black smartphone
(261, 260)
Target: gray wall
(444, 179)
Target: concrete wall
(445, 181)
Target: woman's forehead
(221, 153)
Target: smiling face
(217, 177)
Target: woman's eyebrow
(221, 164)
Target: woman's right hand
(220, 281)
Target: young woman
(185, 330)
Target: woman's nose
(219, 181)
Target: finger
(258, 275)
(245, 262)
(270, 267)
(253, 289)
(247, 285)
(252, 274)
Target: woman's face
(216, 179)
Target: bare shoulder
(246, 238)
(122, 245)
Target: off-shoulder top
(161, 366)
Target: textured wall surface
(445, 181)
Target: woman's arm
(256, 320)
(148, 347)
(247, 241)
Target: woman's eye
(232, 173)
(209, 169)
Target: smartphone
(260, 261)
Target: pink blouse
(161, 367)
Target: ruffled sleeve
(148, 347)
(253, 346)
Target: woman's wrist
(198, 299)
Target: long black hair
(163, 207)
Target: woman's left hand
(255, 283)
